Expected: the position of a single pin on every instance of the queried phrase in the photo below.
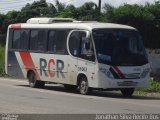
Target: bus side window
(74, 43)
(81, 46)
(38, 41)
(24, 39)
(33, 40)
(42, 40)
(16, 39)
(87, 51)
(60, 42)
(57, 41)
(20, 39)
(51, 42)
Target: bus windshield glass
(119, 47)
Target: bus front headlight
(106, 72)
(145, 72)
(109, 74)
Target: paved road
(17, 97)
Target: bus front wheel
(33, 82)
(127, 92)
(83, 86)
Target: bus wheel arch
(83, 84)
(33, 82)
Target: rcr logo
(49, 68)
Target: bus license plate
(127, 83)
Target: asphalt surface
(17, 97)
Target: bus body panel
(88, 69)
(65, 69)
(14, 68)
(47, 67)
(104, 77)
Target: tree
(60, 6)
(39, 9)
(141, 17)
(153, 33)
(2, 27)
(108, 12)
(69, 12)
(88, 11)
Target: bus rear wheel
(83, 86)
(127, 92)
(33, 82)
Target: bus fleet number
(82, 69)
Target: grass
(154, 86)
(152, 89)
(2, 60)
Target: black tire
(83, 86)
(41, 84)
(70, 87)
(127, 92)
(33, 82)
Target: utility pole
(99, 6)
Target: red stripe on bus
(16, 26)
(28, 63)
(119, 71)
(51, 73)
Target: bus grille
(132, 75)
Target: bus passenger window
(60, 42)
(16, 39)
(51, 42)
(42, 40)
(38, 41)
(57, 41)
(20, 39)
(34, 40)
(24, 39)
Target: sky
(8, 5)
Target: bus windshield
(119, 47)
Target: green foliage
(69, 12)
(131, 14)
(154, 86)
(153, 89)
(107, 14)
(60, 6)
(2, 60)
(88, 11)
(145, 18)
(2, 26)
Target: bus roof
(69, 24)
